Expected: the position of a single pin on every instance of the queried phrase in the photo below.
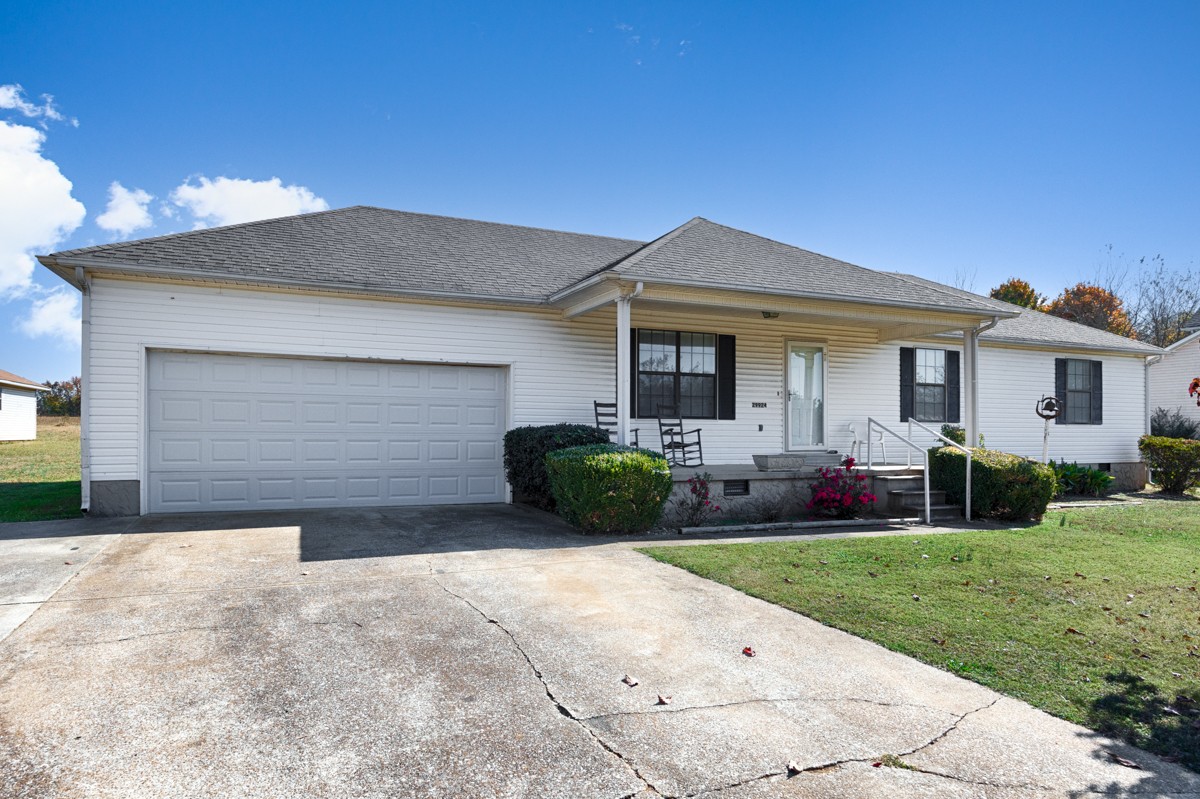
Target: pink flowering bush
(840, 492)
(698, 506)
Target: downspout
(85, 449)
(1150, 361)
(973, 436)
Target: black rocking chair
(606, 420)
(681, 447)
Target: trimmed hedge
(525, 450)
(606, 488)
(1175, 462)
(1003, 486)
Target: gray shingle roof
(702, 252)
(1035, 327)
(1193, 323)
(375, 248)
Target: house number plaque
(758, 405)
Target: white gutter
(85, 448)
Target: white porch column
(623, 376)
(971, 385)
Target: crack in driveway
(562, 709)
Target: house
(365, 356)
(18, 407)
(1171, 375)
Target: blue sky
(941, 139)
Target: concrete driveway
(478, 652)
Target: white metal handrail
(871, 423)
(957, 446)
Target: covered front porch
(775, 375)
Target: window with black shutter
(1079, 388)
(929, 385)
(693, 373)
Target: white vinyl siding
(18, 414)
(1170, 377)
(1012, 380)
(558, 367)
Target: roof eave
(26, 386)
(1144, 351)
(980, 311)
(62, 266)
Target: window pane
(929, 403)
(698, 397)
(1079, 375)
(698, 353)
(656, 351)
(654, 391)
(931, 366)
(1079, 407)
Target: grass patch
(1093, 615)
(40, 479)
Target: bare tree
(1164, 301)
(965, 277)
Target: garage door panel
(234, 432)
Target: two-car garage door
(233, 432)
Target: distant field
(40, 479)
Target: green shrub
(525, 450)
(959, 434)
(605, 488)
(1082, 480)
(955, 433)
(1173, 424)
(1175, 462)
(1003, 486)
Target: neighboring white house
(18, 407)
(365, 357)
(1171, 376)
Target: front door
(805, 396)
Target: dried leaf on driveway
(1122, 761)
(749, 651)
(664, 700)
(630, 681)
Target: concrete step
(915, 498)
(945, 512)
(885, 484)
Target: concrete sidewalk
(480, 652)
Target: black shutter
(1097, 392)
(633, 373)
(908, 376)
(1060, 389)
(726, 377)
(952, 387)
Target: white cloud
(56, 314)
(37, 210)
(12, 97)
(227, 201)
(127, 210)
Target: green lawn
(40, 479)
(1094, 615)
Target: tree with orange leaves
(1094, 306)
(1018, 292)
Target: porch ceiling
(889, 322)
